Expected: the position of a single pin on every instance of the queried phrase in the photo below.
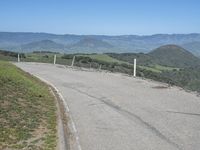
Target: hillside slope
(175, 56)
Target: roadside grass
(27, 111)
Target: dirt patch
(161, 87)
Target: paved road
(117, 112)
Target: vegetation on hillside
(174, 56)
(188, 78)
(28, 111)
(103, 57)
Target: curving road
(117, 112)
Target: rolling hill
(175, 56)
(168, 55)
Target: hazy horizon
(101, 34)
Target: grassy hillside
(175, 56)
(103, 57)
(188, 78)
(28, 112)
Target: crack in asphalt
(184, 113)
(130, 116)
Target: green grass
(165, 68)
(158, 68)
(104, 57)
(28, 111)
(150, 69)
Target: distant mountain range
(96, 43)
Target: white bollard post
(100, 68)
(54, 62)
(18, 58)
(134, 71)
(73, 61)
(90, 66)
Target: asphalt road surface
(117, 112)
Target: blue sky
(108, 17)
